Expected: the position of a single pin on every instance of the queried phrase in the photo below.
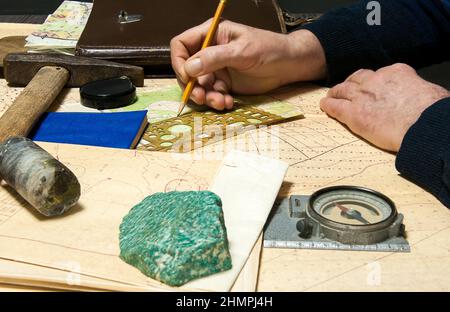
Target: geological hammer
(38, 177)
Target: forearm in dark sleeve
(416, 32)
(424, 157)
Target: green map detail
(163, 104)
(176, 237)
(145, 99)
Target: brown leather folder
(146, 42)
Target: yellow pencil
(209, 37)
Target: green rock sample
(176, 237)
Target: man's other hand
(244, 60)
(381, 106)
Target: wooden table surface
(321, 152)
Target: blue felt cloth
(117, 130)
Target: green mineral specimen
(176, 237)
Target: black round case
(108, 94)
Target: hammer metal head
(20, 68)
(11, 44)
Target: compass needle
(357, 215)
(352, 214)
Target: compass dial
(352, 206)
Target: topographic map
(320, 152)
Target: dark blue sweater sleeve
(424, 157)
(416, 32)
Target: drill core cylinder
(37, 176)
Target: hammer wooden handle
(34, 100)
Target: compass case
(311, 222)
(147, 42)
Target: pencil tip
(180, 110)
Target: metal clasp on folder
(125, 18)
